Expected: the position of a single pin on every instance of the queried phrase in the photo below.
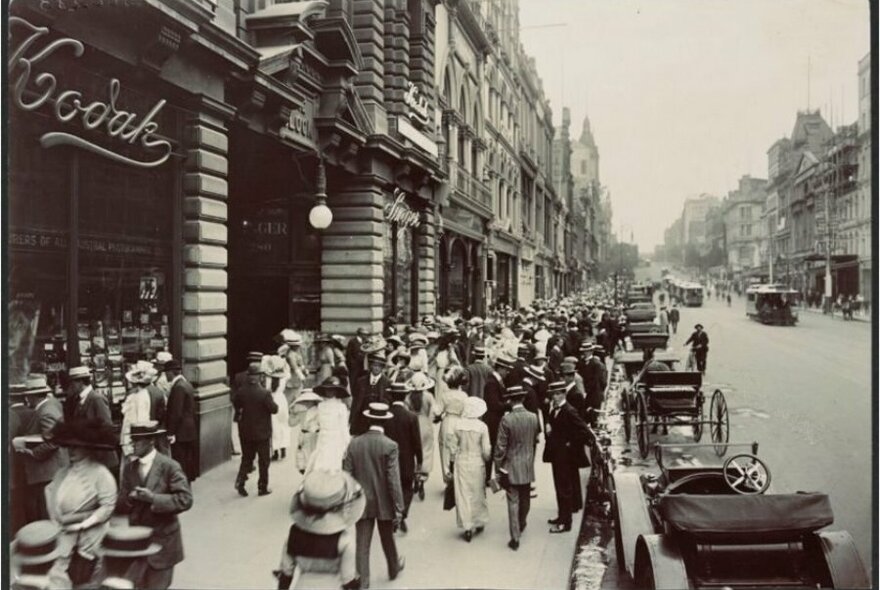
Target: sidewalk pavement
(857, 316)
(235, 542)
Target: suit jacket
(172, 495)
(493, 395)
(575, 395)
(362, 395)
(47, 458)
(532, 402)
(371, 458)
(595, 377)
(180, 417)
(254, 403)
(515, 447)
(478, 372)
(700, 341)
(568, 435)
(404, 430)
(354, 359)
(157, 403)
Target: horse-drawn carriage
(706, 522)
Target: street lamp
(321, 216)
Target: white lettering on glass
(69, 104)
(399, 212)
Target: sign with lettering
(69, 105)
(298, 125)
(418, 104)
(399, 212)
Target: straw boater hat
(515, 392)
(421, 382)
(535, 372)
(290, 338)
(378, 411)
(322, 337)
(146, 429)
(36, 543)
(398, 390)
(331, 387)
(80, 372)
(90, 434)
(504, 362)
(327, 503)
(476, 321)
(255, 356)
(479, 352)
(141, 373)
(162, 357)
(556, 386)
(35, 384)
(474, 407)
(129, 541)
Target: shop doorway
(458, 287)
(259, 305)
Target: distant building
(862, 206)
(742, 224)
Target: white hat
(474, 407)
(328, 502)
(142, 372)
(80, 372)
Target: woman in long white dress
(136, 406)
(455, 380)
(470, 448)
(276, 373)
(446, 358)
(304, 416)
(421, 402)
(333, 434)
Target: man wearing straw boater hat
(478, 371)
(125, 551)
(367, 389)
(515, 460)
(42, 459)
(32, 554)
(180, 419)
(372, 459)
(254, 406)
(153, 491)
(322, 537)
(403, 429)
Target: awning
(835, 258)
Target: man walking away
(153, 491)
(478, 371)
(86, 403)
(515, 460)
(674, 318)
(180, 419)
(254, 405)
(699, 341)
(403, 429)
(372, 460)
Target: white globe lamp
(321, 216)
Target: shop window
(399, 260)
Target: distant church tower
(585, 157)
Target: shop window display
(398, 272)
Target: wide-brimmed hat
(129, 541)
(328, 502)
(374, 343)
(36, 543)
(146, 429)
(332, 387)
(338, 339)
(290, 337)
(587, 347)
(418, 337)
(504, 362)
(515, 391)
(308, 396)
(377, 357)
(535, 372)
(142, 372)
(272, 365)
(698, 327)
(378, 411)
(421, 382)
(90, 434)
(80, 372)
(398, 390)
(476, 321)
(34, 385)
(162, 357)
(322, 337)
(474, 407)
(394, 339)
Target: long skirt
(426, 429)
(471, 507)
(280, 423)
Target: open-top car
(643, 311)
(706, 521)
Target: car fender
(634, 518)
(661, 553)
(842, 558)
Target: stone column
(352, 259)
(427, 281)
(205, 281)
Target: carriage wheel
(627, 416)
(642, 427)
(618, 537)
(698, 419)
(719, 422)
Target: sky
(686, 96)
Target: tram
(771, 304)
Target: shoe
(403, 527)
(284, 453)
(468, 535)
(401, 563)
(251, 470)
(479, 530)
(554, 521)
(522, 527)
(561, 528)
(513, 544)
(239, 487)
(264, 492)
(275, 456)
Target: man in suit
(180, 420)
(595, 377)
(403, 429)
(153, 491)
(368, 388)
(354, 356)
(566, 436)
(20, 419)
(525, 353)
(699, 342)
(478, 371)
(372, 459)
(515, 460)
(159, 399)
(254, 405)
(574, 391)
(238, 381)
(493, 395)
(87, 404)
(42, 461)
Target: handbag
(80, 569)
(449, 496)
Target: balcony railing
(473, 188)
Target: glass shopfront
(401, 266)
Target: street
(235, 542)
(803, 393)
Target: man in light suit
(372, 459)
(367, 389)
(153, 491)
(42, 461)
(403, 429)
(180, 420)
(515, 460)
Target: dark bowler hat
(173, 365)
(129, 541)
(146, 429)
(378, 411)
(36, 543)
(377, 357)
(515, 392)
(567, 369)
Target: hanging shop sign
(418, 104)
(70, 107)
(399, 212)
